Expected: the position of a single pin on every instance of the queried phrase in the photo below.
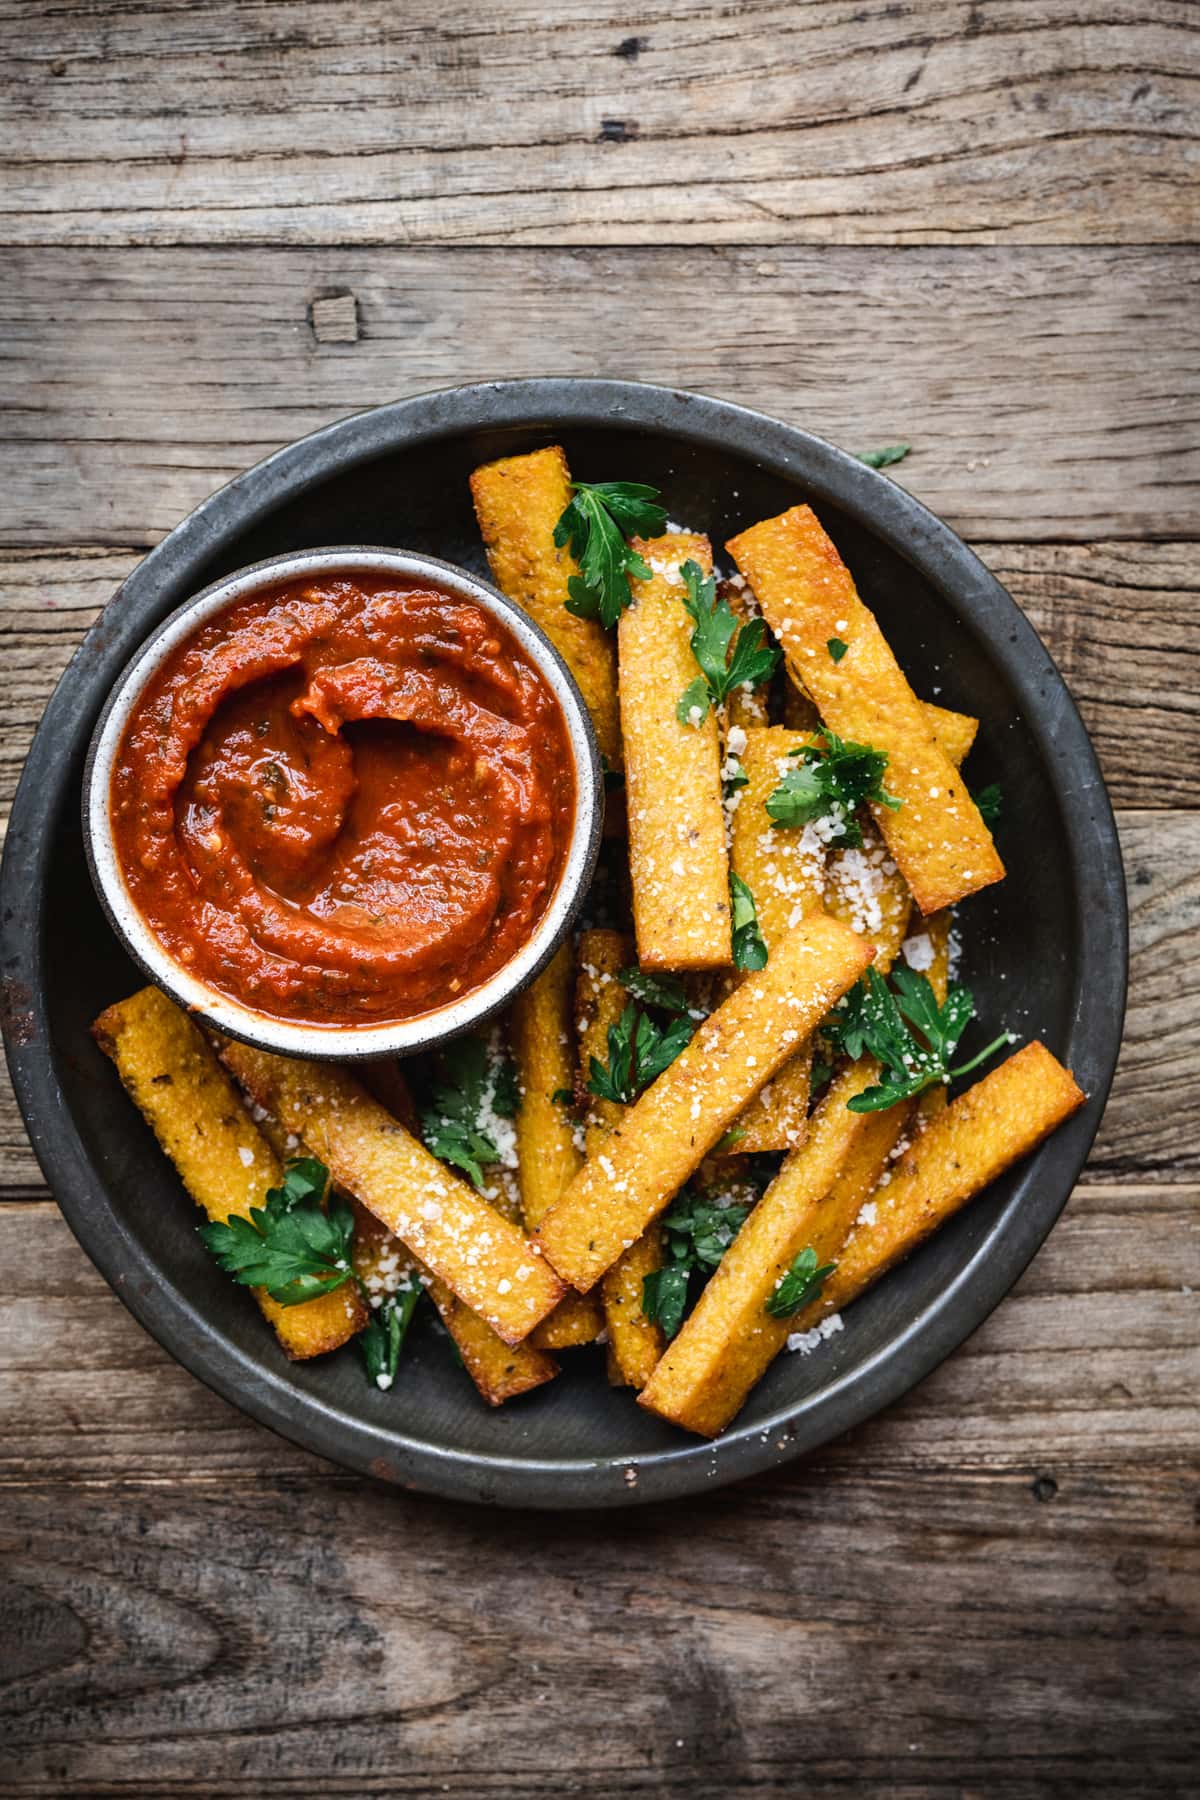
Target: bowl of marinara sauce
(344, 803)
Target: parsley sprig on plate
(729, 655)
(476, 1084)
(597, 524)
(990, 801)
(873, 1020)
(749, 944)
(883, 459)
(381, 1340)
(638, 1051)
(698, 1230)
(802, 1282)
(289, 1245)
(832, 779)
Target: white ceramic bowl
(345, 1042)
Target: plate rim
(908, 527)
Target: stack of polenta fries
(754, 933)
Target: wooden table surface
(970, 226)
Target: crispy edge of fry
(470, 1245)
(518, 502)
(808, 596)
(962, 1150)
(678, 862)
(680, 1117)
(499, 1371)
(730, 1339)
(172, 1075)
(543, 1046)
(857, 879)
(785, 871)
(635, 1342)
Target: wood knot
(334, 318)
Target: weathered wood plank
(1094, 1358)
(933, 121)
(1060, 405)
(883, 1632)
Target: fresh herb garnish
(836, 648)
(562, 1097)
(638, 1052)
(729, 656)
(698, 1233)
(477, 1086)
(882, 459)
(655, 990)
(749, 945)
(803, 1282)
(871, 1019)
(382, 1337)
(290, 1245)
(833, 779)
(600, 518)
(990, 801)
(733, 1136)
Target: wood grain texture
(1049, 393)
(286, 1635)
(890, 121)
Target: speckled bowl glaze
(349, 1042)
(1044, 951)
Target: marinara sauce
(345, 801)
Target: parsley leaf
(729, 656)
(382, 1337)
(990, 801)
(290, 1245)
(836, 648)
(833, 778)
(749, 945)
(638, 1052)
(477, 1084)
(698, 1233)
(802, 1282)
(655, 990)
(873, 1020)
(882, 459)
(596, 524)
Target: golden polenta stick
(635, 1342)
(864, 888)
(676, 821)
(730, 1338)
(480, 1255)
(987, 1129)
(543, 1047)
(746, 707)
(807, 595)
(677, 1121)
(785, 871)
(500, 1371)
(171, 1073)
(518, 502)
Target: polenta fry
(676, 821)
(678, 1120)
(731, 1338)
(500, 1371)
(988, 1128)
(543, 1046)
(937, 836)
(635, 1342)
(172, 1075)
(518, 502)
(480, 1255)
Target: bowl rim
(556, 404)
(341, 1043)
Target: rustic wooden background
(972, 226)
